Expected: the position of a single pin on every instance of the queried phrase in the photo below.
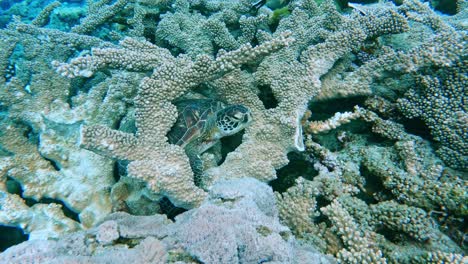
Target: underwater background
(356, 151)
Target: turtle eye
(238, 116)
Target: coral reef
(371, 97)
(440, 101)
(163, 166)
(234, 225)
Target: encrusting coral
(86, 105)
(231, 226)
(40, 130)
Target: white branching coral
(359, 245)
(337, 120)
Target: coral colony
(349, 143)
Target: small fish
(259, 4)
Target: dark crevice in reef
(14, 187)
(127, 242)
(267, 97)
(229, 144)
(448, 7)
(323, 110)
(149, 31)
(53, 163)
(417, 127)
(322, 202)
(118, 122)
(65, 209)
(374, 186)
(390, 235)
(367, 196)
(116, 171)
(249, 67)
(30, 134)
(81, 84)
(297, 166)
(120, 169)
(10, 236)
(378, 140)
(254, 42)
(75, 84)
(127, 124)
(201, 10)
(3, 109)
(169, 209)
(216, 49)
(329, 140)
(150, 35)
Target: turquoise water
(351, 146)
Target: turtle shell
(193, 120)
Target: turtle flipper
(197, 167)
(196, 163)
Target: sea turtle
(200, 125)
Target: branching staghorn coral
(409, 170)
(43, 18)
(295, 86)
(100, 12)
(421, 171)
(441, 102)
(424, 182)
(132, 55)
(442, 52)
(294, 79)
(360, 247)
(301, 82)
(194, 33)
(163, 166)
(298, 209)
(298, 205)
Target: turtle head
(233, 119)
